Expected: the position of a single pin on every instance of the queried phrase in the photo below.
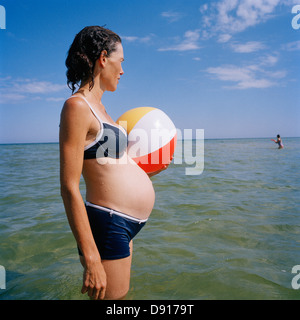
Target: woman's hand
(94, 281)
(151, 174)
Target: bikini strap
(98, 118)
(94, 112)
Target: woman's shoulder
(75, 112)
(75, 102)
(75, 105)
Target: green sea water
(231, 232)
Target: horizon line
(227, 138)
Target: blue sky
(230, 67)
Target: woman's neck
(95, 94)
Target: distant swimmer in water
(278, 141)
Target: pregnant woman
(119, 194)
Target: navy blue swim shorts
(112, 231)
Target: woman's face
(112, 70)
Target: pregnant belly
(122, 187)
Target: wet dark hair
(84, 52)
(278, 136)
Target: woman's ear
(103, 58)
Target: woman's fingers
(94, 287)
(99, 292)
(85, 284)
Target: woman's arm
(74, 126)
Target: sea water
(229, 232)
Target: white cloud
(136, 39)
(16, 90)
(203, 8)
(172, 16)
(32, 86)
(231, 73)
(238, 15)
(190, 42)
(292, 46)
(269, 60)
(276, 74)
(130, 38)
(56, 99)
(250, 46)
(250, 76)
(229, 17)
(224, 38)
(244, 77)
(11, 97)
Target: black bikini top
(110, 142)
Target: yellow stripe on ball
(132, 116)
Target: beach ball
(152, 137)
